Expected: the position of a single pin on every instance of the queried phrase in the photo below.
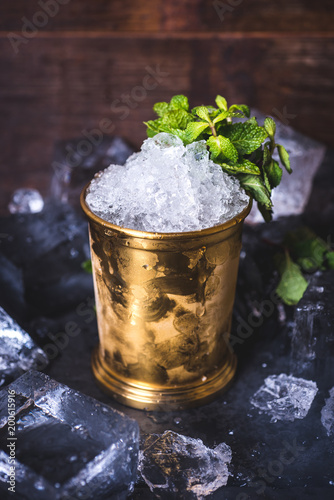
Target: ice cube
(26, 201)
(70, 445)
(18, 352)
(181, 466)
(306, 156)
(312, 337)
(77, 160)
(285, 397)
(167, 187)
(48, 249)
(327, 414)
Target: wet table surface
(44, 288)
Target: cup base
(160, 399)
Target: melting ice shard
(75, 162)
(173, 464)
(306, 156)
(285, 397)
(70, 445)
(26, 201)
(18, 352)
(327, 413)
(312, 339)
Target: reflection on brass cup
(164, 307)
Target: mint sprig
(292, 284)
(304, 253)
(242, 149)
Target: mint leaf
(254, 185)
(247, 167)
(274, 173)
(160, 108)
(179, 102)
(211, 110)
(221, 102)
(87, 266)
(266, 213)
(266, 181)
(194, 129)
(222, 146)
(221, 116)
(292, 284)
(330, 260)
(270, 127)
(239, 148)
(266, 154)
(284, 157)
(229, 169)
(203, 113)
(246, 137)
(214, 146)
(242, 108)
(181, 134)
(174, 131)
(306, 248)
(178, 118)
(153, 127)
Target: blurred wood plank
(56, 87)
(171, 15)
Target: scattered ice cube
(306, 156)
(70, 445)
(75, 161)
(285, 397)
(312, 336)
(25, 201)
(18, 352)
(48, 269)
(171, 463)
(166, 187)
(327, 413)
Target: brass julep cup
(164, 308)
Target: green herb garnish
(242, 149)
(87, 266)
(304, 253)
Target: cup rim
(237, 219)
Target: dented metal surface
(164, 306)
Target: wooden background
(89, 61)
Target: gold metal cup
(164, 308)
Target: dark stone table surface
(43, 286)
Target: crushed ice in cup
(285, 397)
(69, 446)
(327, 413)
(18, 352)
(166, 187)
(173, 464)
(26, 201)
